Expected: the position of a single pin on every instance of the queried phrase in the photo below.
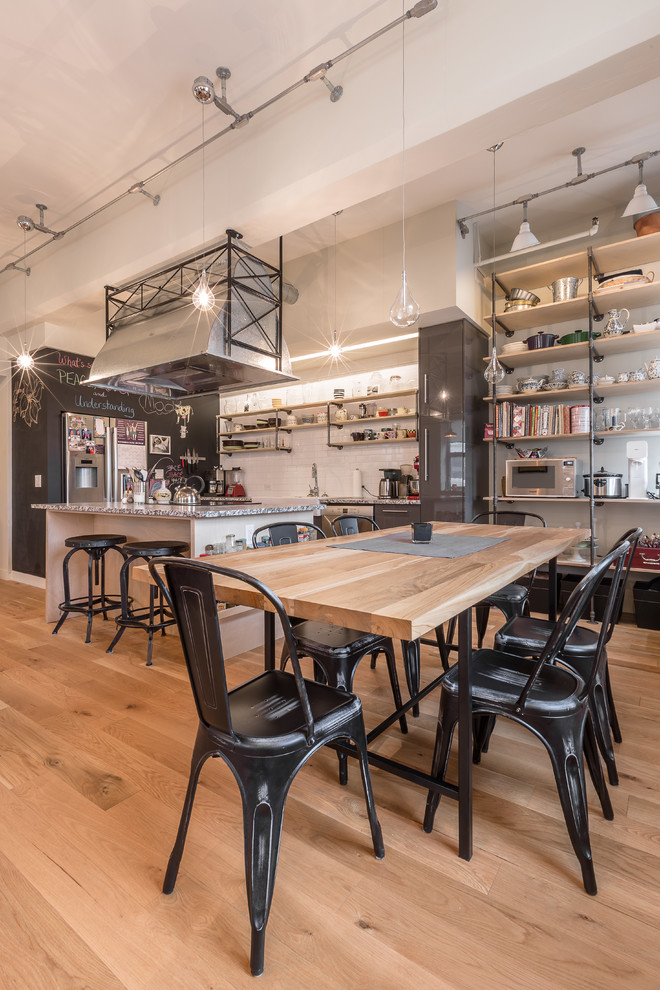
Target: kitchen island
(198, 525)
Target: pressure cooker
(606, 485)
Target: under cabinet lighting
(357, 347)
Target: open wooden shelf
(568, 394)
(560, 353)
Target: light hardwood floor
(94, 756)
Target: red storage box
(647, 557)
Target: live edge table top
(395, 595)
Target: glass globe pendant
(404, 311)
(203, 298)
(494, 373)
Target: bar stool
(144, 616)
(96, 547)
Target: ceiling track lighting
(204, 91)
(26, 224)
(17, 268)
(138, 187)
(578, 179)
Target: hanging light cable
(404, 311)
(24, 360)
(335, 349)
(494, 373)
(203, 298)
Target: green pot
(578, 337)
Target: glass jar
(376, 383)
(230, 543)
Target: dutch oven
(606, 485)
(577, 337)
(541, 340)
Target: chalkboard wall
(39, 398)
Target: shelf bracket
(598, 357)
(599, 398)
(599, 441)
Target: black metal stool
(95, 546)
(144, 616)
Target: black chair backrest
(507, 517)
(346, 525)
(282, 533)
(631, 537)
(189, 591)
(571, 613)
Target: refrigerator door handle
(426, 454)
(110, 465)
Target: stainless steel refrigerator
(97, 455)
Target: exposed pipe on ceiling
(421, 8)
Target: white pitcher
(615, 326)
(653, 368)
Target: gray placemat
(441, 545)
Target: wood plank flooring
(94, 757)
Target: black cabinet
(453, 459)
(388, 516)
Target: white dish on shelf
(646, 327)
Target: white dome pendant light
(641, 201)
(524, 238)
(404, 311)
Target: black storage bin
(647, 603)
(571, 581)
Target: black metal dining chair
(526, 636)
(549, 699)
(512, 599)
(351, 525)
(265, 729)
(282, 533)
(336, 651)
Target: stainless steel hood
(159, 344)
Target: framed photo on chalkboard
(158, 444)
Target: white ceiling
(94, 96)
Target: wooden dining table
(402, 595)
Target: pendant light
(335, 350)
(641, 201)
(494, 372)
(203, 298)
(404, 311)
(524, 238)
(24, 360)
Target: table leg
(464, 735)
(269, 640)
(411, 663)
(552, 589)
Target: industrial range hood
(159, 344)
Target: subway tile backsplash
(276, 473)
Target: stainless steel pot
(606, 485)
(565, 288)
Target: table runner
(449, 545)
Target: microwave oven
(543, 477)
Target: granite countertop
(260, 507)
(368, 500)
